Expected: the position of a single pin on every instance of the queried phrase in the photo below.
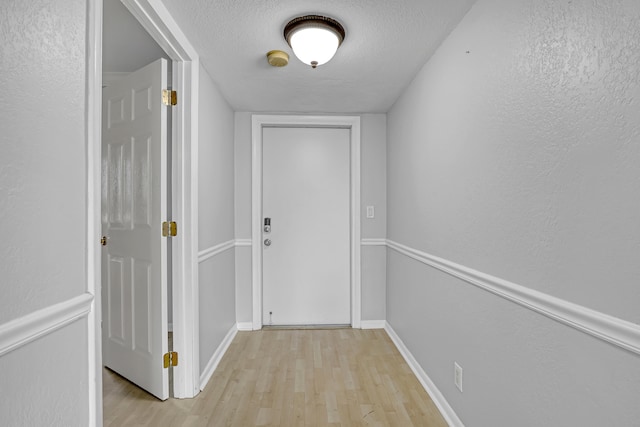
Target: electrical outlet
(457, 376)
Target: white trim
(215, 250)
(373, 324)
(243, 242)
(21, 331)
(346, 122)
(217, 357)
(156, 19)
(245, 326)
(94, 222)
(611, 329)
(373, 242)
(446, 410)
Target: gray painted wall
(43, 201)
(373, 192)
(242, 177)
(216, 275)
(514, 152)
(42, 167)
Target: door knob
(267, 242)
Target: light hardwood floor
(339, 377)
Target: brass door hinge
(169, 97)
(169, 229)
(103, 241)
(170, 359)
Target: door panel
(306, 184)
(134, 189)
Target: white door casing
(352, 123)
(134, 204)
(306, 266)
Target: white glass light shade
(314, 46)
(314, 38)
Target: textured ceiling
(387, 42)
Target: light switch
(371, 212)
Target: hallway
(338, 377)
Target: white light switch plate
(371, 213)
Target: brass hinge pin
(170, 359)
(169, 229)
(169, 97)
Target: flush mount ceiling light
(314, 38)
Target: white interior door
(134, 201)
(306, 263)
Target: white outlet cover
(457, 376)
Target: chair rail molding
(23, 330)
(374, 242)
(215, 250)
(608, 328)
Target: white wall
(216, 275)
(373, 192)
(43, 214)
(515, 153)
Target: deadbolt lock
(267, 242)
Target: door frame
(158, 22)
(258, 122)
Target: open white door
(134, 204)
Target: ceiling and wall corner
(386, 43)
(127, 46)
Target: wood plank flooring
(335, 377)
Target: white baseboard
(217, 357)
(445, 409)
(245, 326)
(373, 324)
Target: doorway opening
(352, 125)
(136, 198)
(160, 26)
